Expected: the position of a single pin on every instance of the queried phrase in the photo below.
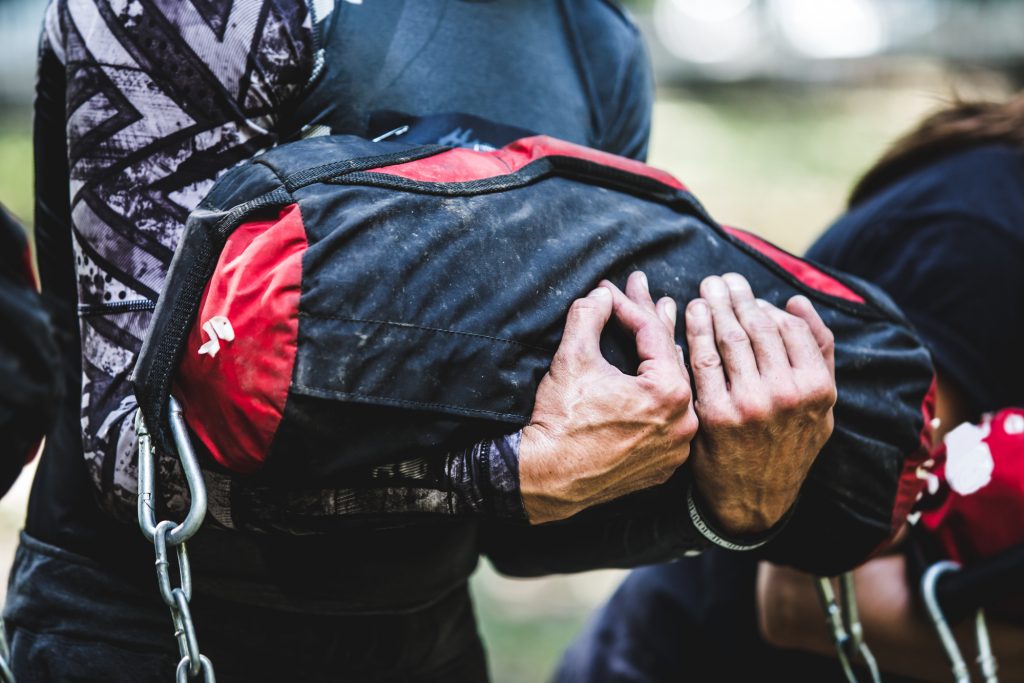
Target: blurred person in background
(140, 107)
(938, 223)
(29, 363)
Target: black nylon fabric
(429, 313)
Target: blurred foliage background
(769, 133)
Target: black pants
(70, 619)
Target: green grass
(16, 163)
(779, 162)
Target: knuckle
(796, 324)
(566, 357)
(679, 431)
(754, 409)
(827, 395)
(830, 425)
(822, 389)
(706, 361)
(735, 336)
(582, 307)
(689, 427)
(714, 417)
(676, 394)
(790, 400)
(762, 324)
(559, 362)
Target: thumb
(581, 340)
(802, 307)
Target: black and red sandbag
(388, 300)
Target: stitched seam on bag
(440, 330)
(569, 167)
(280, 178)
(404, 402)
(336, 169)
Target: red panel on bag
(989, 519)
(461, 165)
(798, 268)
(33, 451)
(234, 400)
(910, 486)
(29, 274)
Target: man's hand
(597, 434)
(765, 381)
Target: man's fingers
(730, 337)
(801, 346)
(654, 340)
(639, 290)
(581, 340)
(705, 361)
(667, 313)
(682, 362)
(801, 307)
(765, 339)
(627, 312)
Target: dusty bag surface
(337, 302)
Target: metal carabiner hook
(929, 583)
(986, 658)
(147, 477)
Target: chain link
(166, 534)
(845, 627)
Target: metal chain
(166, 534)
(845, 627)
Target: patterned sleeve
(160, 98)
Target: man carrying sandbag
(140, 108)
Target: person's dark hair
(957, 127)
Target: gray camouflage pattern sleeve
(161, 97)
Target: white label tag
(216, 328)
